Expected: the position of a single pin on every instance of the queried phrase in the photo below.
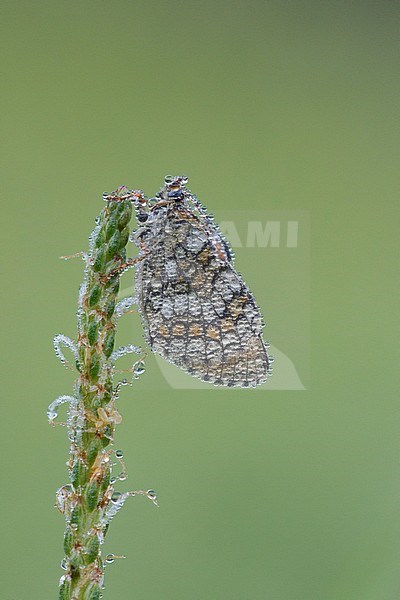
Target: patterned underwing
(197, 311)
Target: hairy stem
(90, 501)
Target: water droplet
(151, 494)
(168, 179)
(113, 480)
(123, 350)
(64, 564)
(122, 476)
(63, 496)
(119, 454)
(116, 497)
(185, 179)
(140, 368)
(110, 558)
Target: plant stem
(89, 501)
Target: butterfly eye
(176, 195)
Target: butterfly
(196, 310)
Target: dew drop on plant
(63, 495)
(110, 558)
(119, 454)
(139, 368)
(151, 494)
(116, 497)
(64, 564)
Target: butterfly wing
(197, 311)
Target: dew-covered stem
(89, 500)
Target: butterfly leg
(128, 264)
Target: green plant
(89, 501)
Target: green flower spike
(90, 501)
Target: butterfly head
(123, 193)
(174, 187)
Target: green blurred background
(268, 106)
